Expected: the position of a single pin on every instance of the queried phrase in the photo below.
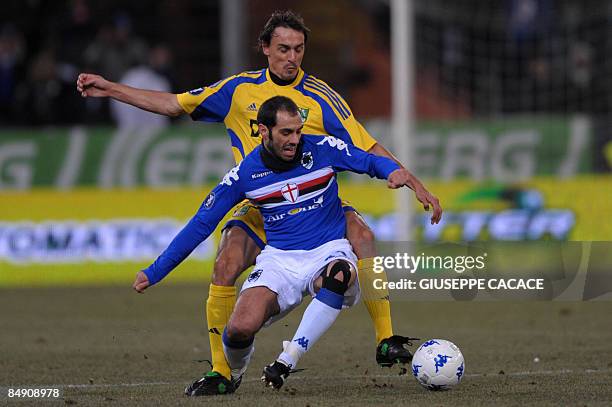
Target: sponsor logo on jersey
(290, 192)
(252, 107)
(336, 143)
(295, 211)
(275, 218)
(318, 203)
(209, 201)
(261, 174)
(196, 92)
(303, 113)
(307, 160)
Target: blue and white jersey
(300, 207)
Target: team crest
(307, 160)
(241, 211)
(254, 276)
(303, 113)
(290, 192)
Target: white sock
(238, 354)
(318, 318)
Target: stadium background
(512, 103)
(513, 128)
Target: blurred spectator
(43, 88)
(136, 127)
(528, 19)
(77, 32)
(151, 76)
(12, 50)
(115, 50)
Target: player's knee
(338, 276)
(240, 330)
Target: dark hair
(287, 19)
(269, 108)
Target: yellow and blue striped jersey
(236, 100)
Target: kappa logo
(261, 174)
(290, 192)
(459, 372)
(231, 176)
(252, 107)
(441, 360)
(303, 113)
(429, 343)
(336, 143)
(415, 370)
(307, 160)
(303, 342)
(209, 201)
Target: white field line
(307, 378)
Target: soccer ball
(438, 364)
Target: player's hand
(401, 177)
(91, 85)
(427, 199)
(141, 283)
(398, 178)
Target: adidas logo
(214, 331)
(252, 107)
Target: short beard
(270, 147)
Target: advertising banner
(505, 150)
(94, 235)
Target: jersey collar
(295, 82)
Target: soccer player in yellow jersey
(235, 102)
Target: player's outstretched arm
(402, 177)
(220, 200)
(91, 85)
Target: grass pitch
(109, 346)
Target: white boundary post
(402, 93)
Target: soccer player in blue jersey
(235, 102)
(290, 177)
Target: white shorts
(291, 273)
